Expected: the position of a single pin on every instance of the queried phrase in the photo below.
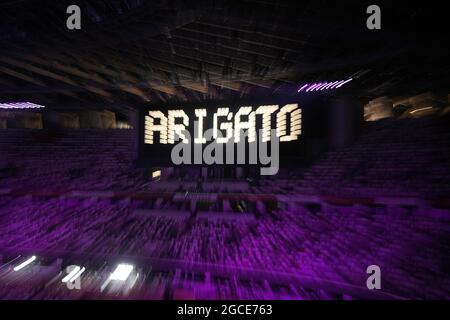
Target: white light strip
(74, 274)
(71, 274)
(320, 86)
(122, 272)
(346, 81)
(133, 282)
(24, 264)
(20, 105)
(75, 277)
(105, 284)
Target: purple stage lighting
(20, 105)
(320, 86)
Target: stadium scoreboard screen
(192, 130)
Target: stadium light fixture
(122, 272)
(75, 277)
(20, 105)
(74, 274)
(71, 274)
(321, 86)
(24, 264)
(156, 174)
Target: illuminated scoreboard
(228, 128)
(226, 125)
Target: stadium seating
(203, 239)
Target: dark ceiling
(131, 51)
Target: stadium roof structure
(133, 51)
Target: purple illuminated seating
(275, 254)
